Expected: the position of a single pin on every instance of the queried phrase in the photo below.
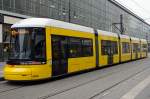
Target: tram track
(100, 77)
(6, 87)
(120, 82)
(61, 91)
(1, 82)
(10, 89)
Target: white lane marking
(137, 89)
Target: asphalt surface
(125, 81)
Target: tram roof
(106, 33)
(124, 36)
(134, 38)
(43, 22)
(143, 40)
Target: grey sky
(139, 7)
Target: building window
(6, 33)
(6, 40)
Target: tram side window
(136, 47)
(40, 51)
(109, 47)
(104, 47)
(139, 48)
(125, 47)
(144, 47)
(75, 47)
(80, 47)
(72, 47)
(114, 47)
(87, 47)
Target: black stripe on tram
(96, 48)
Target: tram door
(59, 55)
(110, 53)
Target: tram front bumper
(17, 73)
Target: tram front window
(27, 46)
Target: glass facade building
(98, 14)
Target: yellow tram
(43, 48)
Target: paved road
(116, 82)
